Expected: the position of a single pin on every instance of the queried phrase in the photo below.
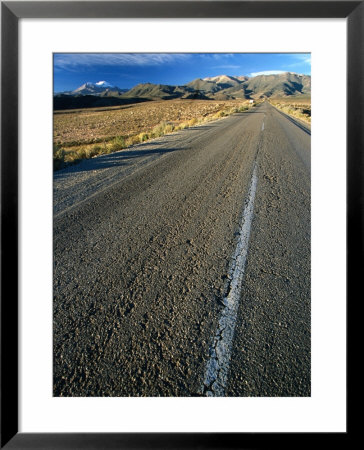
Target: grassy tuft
(116, 144)
(143, 137)
(58, 157)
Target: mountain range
(99, 88)
(223, 87)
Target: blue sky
(125, 70)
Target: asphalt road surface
(144, 245)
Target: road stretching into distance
(182, 265)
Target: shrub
(243, 108)
(58, 152)
(192, 122)
(143, 137)
(93, 151)
(158, 130)
(169, 127)
(58, 157)
(219, 114)
(116, 144)
(132, 140)
(81, 153)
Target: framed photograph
(191, 234)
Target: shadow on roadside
(117, 159)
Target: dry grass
(82, 134)
(300, 109)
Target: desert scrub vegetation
(299, 110)
(58, 157)
(84, 134)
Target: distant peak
(220, 78)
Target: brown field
(93, 125)
(298, 108)
(85, 133)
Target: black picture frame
(11, 12)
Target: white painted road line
(217, 367)
(263, 125)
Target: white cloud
(304, 58)
(301, 58)
(73, 60)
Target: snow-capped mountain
(94, 88)
(104, 84)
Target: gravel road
(143, 246)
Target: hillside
(279, 85)
(222, 87)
